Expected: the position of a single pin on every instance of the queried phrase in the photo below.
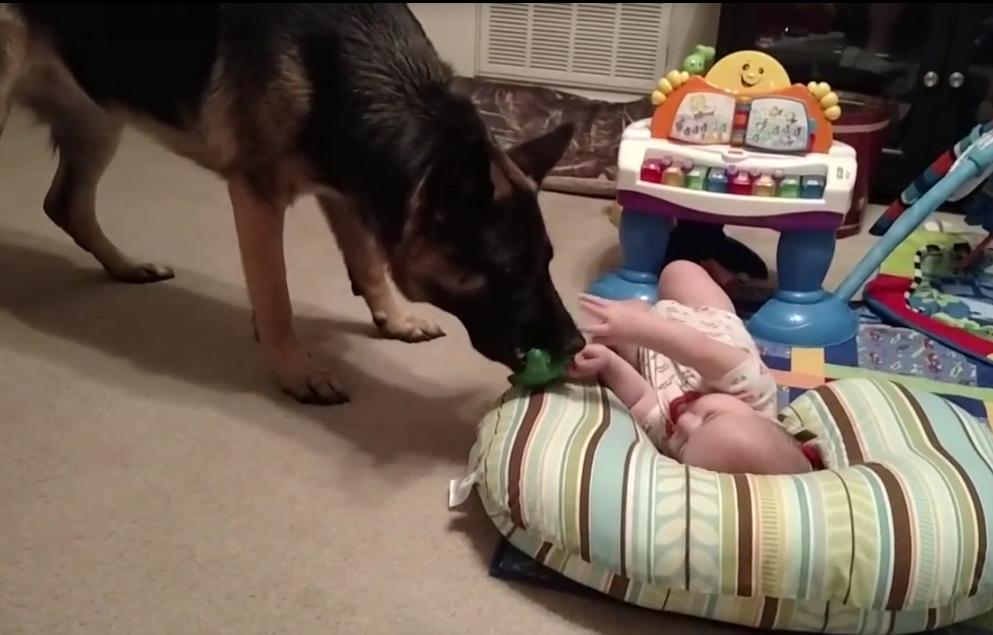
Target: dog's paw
(313, 386)
(142, 273)
(408, 328)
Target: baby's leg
(688, 283)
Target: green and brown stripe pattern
(893, 538)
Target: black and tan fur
(349, 103)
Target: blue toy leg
(801, 313)
(644, 237)
(802, 316)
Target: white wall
(452, 27)
(692, 23)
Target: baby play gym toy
(939, 280)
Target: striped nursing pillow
(892, 538)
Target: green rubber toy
(698, 62)
(540, 369)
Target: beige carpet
(154, 480)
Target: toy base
(624, 284)
(805, 319)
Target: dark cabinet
(929, 66)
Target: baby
(692, 377)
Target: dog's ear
(538, 156)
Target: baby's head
(721, 433)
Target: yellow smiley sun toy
(748, 73)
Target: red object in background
(651, 171)
(862, 125)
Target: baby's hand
(614, 322)
(590, 361)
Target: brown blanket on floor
(517, 112)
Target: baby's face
(721, 433)
(705, 411)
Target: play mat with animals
(938, 282)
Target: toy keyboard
(728, 181)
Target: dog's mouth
(520, 359)
(516, 360)
(515, 354)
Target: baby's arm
(620, 324)
(619, 376)
(726, 368)
(631, 388)
(687, 346)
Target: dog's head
(477, 248)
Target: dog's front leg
(367, 271)
(259, 223)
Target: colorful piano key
(764, 185)
(674, 176)
(812, 187)
(676, 171)
(696, 178)
(717, 180)
(789, 187)
(741, 184)
(651, 171)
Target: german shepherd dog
(348, 102)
